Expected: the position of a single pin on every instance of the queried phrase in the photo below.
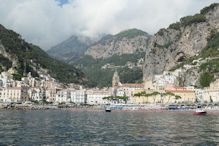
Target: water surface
(100, 128)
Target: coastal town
(161, 90)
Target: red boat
(200, 111)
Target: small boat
(108, 109)
(200, 111)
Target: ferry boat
(200, 111)
(108, 109)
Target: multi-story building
(63, 96)
(77, 96)
(35, 93)
(211, 93)
(187, 95)
(14, 94)
(95, 97)
(129, 89)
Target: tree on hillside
(205, 79)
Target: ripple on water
(99, 128)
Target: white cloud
(45, 23)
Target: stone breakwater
(27, 107)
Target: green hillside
(103, 77)
(30, 56)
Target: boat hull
(200, 113)
(108, 109)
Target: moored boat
(200, 111)
(108, 109)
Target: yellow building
(187, 96)
(211, 94)
(138, 99)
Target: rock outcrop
(179, 41)
(126, 42)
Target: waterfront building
(14, 94)
(95, 97)
(187, 96)
(63, 96)
(138, 99)
(128, 89)
(77, 96)
(211, 93)
(52, 88)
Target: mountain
(125, 42)
(24, 57)
(194, 37)
(71, 49)
(124, 51)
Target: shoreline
(101, 109)
(143, 111)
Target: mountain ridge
(25, 57)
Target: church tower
(116, 80)
(115, 83)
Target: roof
(188, 91)
(14, 88)
(179, 87)
(99, 92)
(133, 85)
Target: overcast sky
(48, 22)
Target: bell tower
(115, 80)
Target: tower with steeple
(115, 82)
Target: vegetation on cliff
(103, 77)
(205, 79)
(188, 20)
(30, 58)
(130, 34)
(209, 8)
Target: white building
(14, 94)
(63, 96)
(128, 89)
(95, 97)
(77, 96)
(161, 81)
(35, 93)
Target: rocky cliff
(181, 40)
(125, 42)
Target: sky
(49, 22)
